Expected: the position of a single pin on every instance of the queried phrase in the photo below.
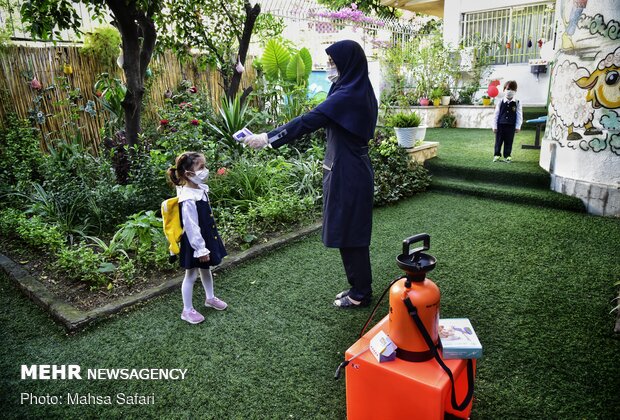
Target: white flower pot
(407, 136)
(445, 100)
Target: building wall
(532, 90)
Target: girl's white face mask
(332, 74)
(199, 177)
(510, 94)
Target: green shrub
(404, 119)
(447, 121)
(20, 153)
(280, 210)
(103, 43)
(81, 263)
(140, 232)
(466, 94)
(395, 176)
(9, 221)
(40, 235)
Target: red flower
(192, 89)
(222, 171)
(98, 94)
(195, 122)
(164, 122)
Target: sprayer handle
(417, 238)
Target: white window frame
(517, 24)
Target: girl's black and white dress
(200, 236)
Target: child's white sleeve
(496, 116)
(519, 116)
(192, 229)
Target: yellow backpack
(171, 215)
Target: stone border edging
(74, 319)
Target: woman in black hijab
(349, 115)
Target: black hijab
(351, 101)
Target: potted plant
(486, 100)
(446, 95)
(424, 101)
(436, 94)
(407, 128)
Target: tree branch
(232, 20)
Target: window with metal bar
(508, 35)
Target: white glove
(257, 141)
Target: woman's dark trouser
(356, 263)
(505, 134)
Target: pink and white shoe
(192, 316)
(216, 303)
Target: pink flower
(35, 84)
(164, 122)
(222, 171)
(195, 122)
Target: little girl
(201, 245)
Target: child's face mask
(199, 176)
(332, 74)
(510, 94)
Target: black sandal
(347, 303)
(343, 294)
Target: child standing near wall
(506, 122)
(201, 245)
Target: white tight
(188, 285)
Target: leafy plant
(395, 175)
(275, 60)
(65, 215)
(140, 232)
(232, 119)
(40, 235)
(81, 263)
(466, 94)
(110, 92)
(447, 120)
(404, 119)
(436, 93)
(103, 43)
(20, 154)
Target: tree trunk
(138, 34)
(251, 13)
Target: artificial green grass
(523, 195)
(464, 165)
(536, 283)
(468, 154)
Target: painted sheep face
(603, 87)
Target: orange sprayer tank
(424, 295)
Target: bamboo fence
(19, 64)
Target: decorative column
(581, 146)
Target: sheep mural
(603, 84)
(582, 99)
(570, 107)
(581, 148)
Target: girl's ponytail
(184, 162)
(173, 176)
